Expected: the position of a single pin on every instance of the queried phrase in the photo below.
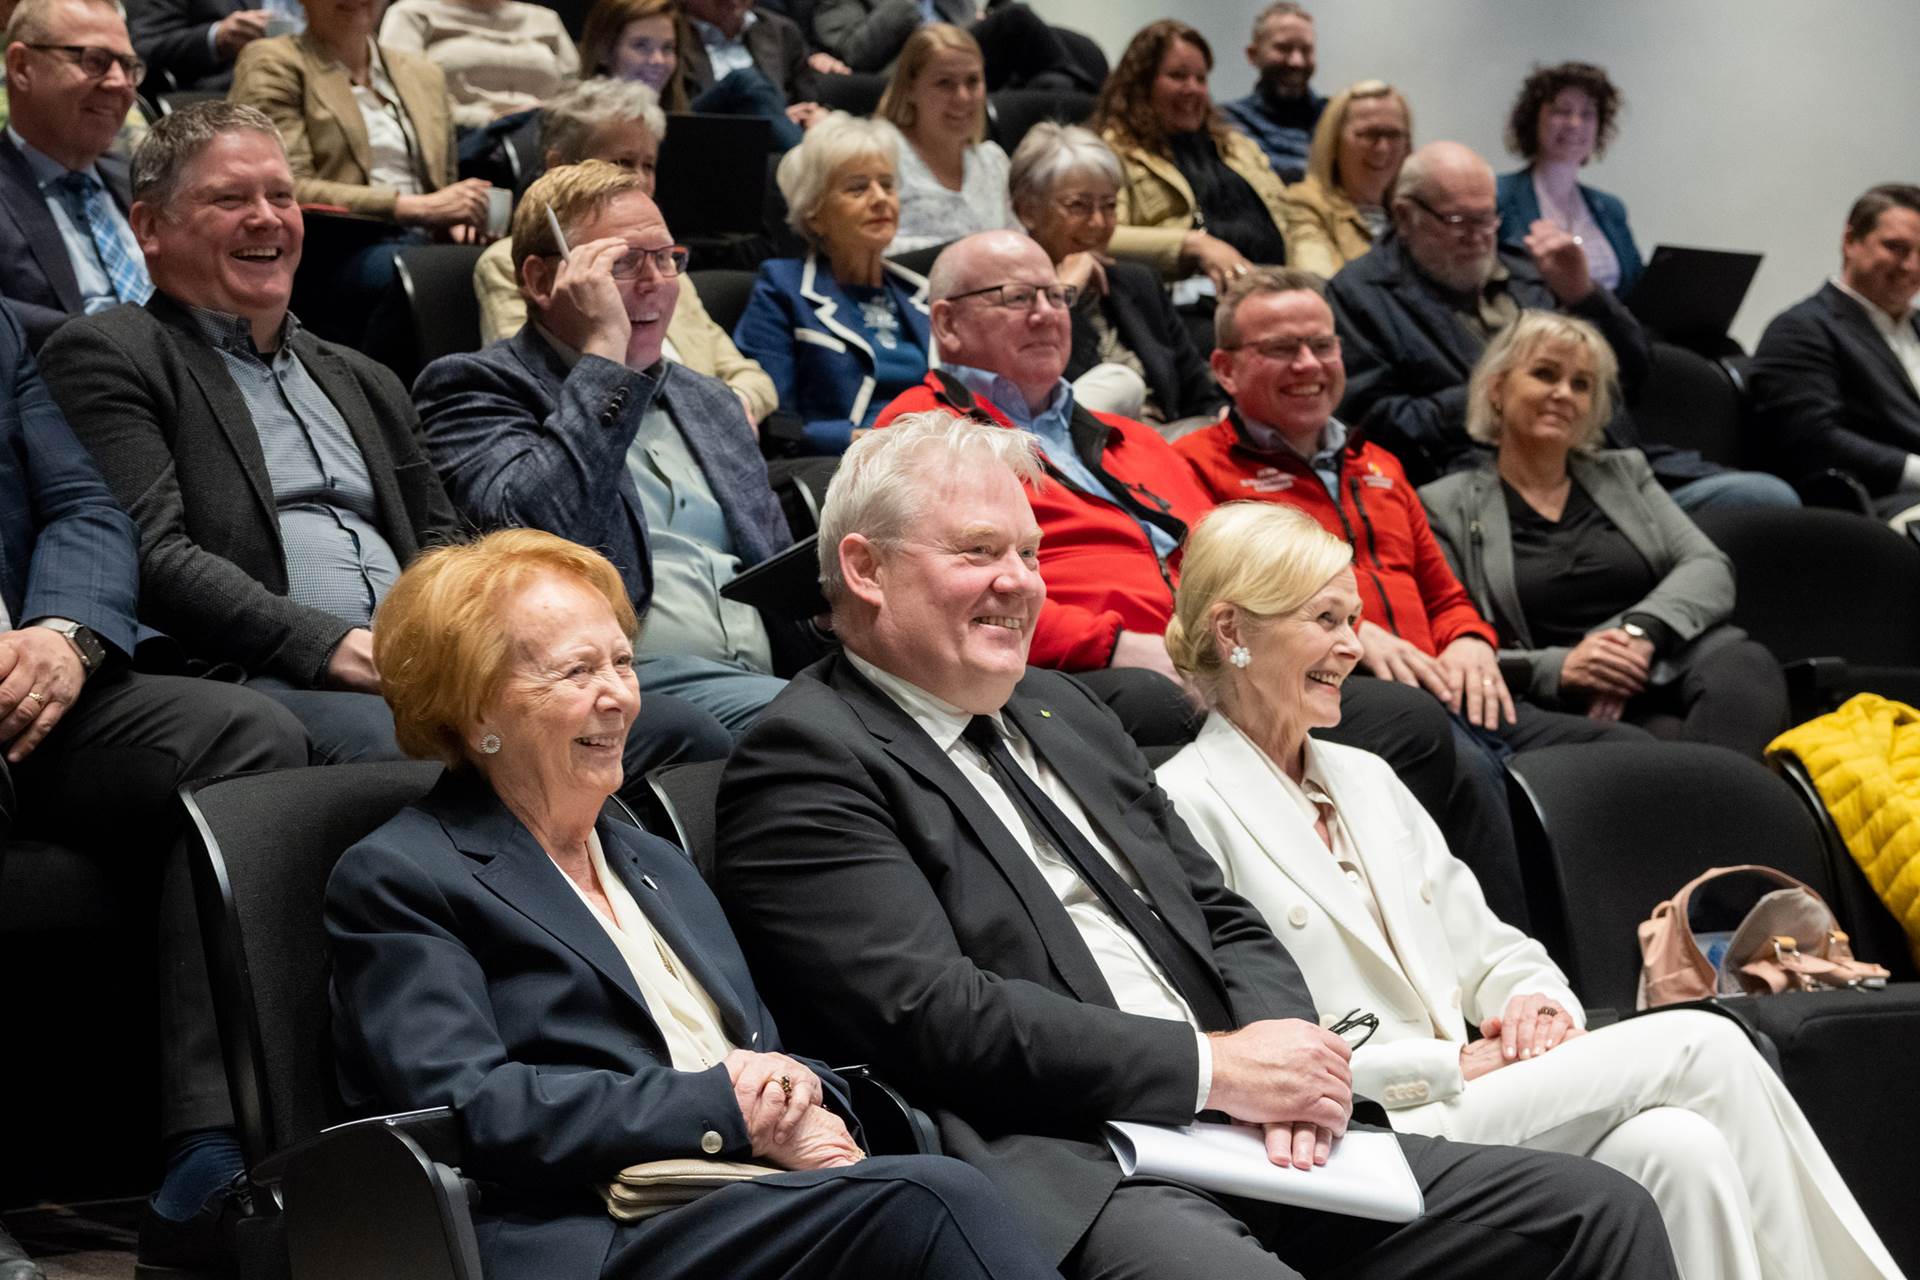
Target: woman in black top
(1606, 596)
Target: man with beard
(1282, 110)
(1415, 314)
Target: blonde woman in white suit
(1358, 883)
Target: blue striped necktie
(87, 202)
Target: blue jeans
(1735, 489)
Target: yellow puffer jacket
(1865, 761)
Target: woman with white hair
(1357, 881)
(1131, 354)
(619, 121)
(841, 331)
(1606, 597)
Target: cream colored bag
(1788, 941)
(642, 1190)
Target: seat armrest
(892, 1125)
(432, 1129)
(1835, 488)
(367, 1200)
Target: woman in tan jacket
(1341, 205)
(1200, 196)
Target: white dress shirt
(390, 136)
(681, 1007)
(1139, 985)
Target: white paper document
(1365, 1177)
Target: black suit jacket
(1829, 392)
(171, 37)
(468, 974)
(779, 50)
(36, 275)
(1408, 359)
(155, 403)
(1176, 371)
(890, 913)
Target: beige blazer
(1324, 228)
(308, 95)
(702, 345)
(1450, 961)
(1157, 205)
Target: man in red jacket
(1116, 509)
(1279, 359)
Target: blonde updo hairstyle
(442, 644)
(1516, 344)
(1264, 559)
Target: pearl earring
(490, 745)
(1241, 657)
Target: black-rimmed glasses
(1357, 1021)
(94, 62)
(1021, 297)
(1461, 224)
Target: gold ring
(37, 697)
(786, 1085)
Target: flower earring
(490, 745)
(1241, 656)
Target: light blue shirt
(96, 289)
(728, 54)
(1325, 461)
(1053, 427)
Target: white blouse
(930, 214)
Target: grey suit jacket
(36, 275)
(172, 434)
(1693, 597)
(524, 441)
(867, 34)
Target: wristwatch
(1635, 630)
(92, 653)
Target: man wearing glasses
(578, 425)
(1416, 312)
(65, 245)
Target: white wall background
(1749, 124)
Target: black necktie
(1193, 977)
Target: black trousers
(1490, 1211)
(888, 1216)
(1734, 697)
(105, 780)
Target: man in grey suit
(944, 861)
(65, 245)
(578, 425)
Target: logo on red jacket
(1268, 480)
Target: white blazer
(1461, 962)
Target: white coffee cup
(499, 210)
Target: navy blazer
(523, 441)
(1829, 392)
(36, 275)
(467, 973)
(891, 913)
(1520, 208)
(171, 37)
(1137, 307)
(822, 367)
(67, 550)
(1408, 358)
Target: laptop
(1691, 295)
(711, 178)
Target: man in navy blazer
(960, 867)
(578, 426)
(54, 262)
(73, 716)
(1834, 377)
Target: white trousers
(1681, 1103)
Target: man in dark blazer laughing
(961, 870)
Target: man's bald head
(1447, 214)
(974, 323)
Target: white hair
(886, 480)
(806, 171)
(1052, 152)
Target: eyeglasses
(1379, 136)
(95, 62)
(1357, 1027)
(1022, 297)
(1324, 346)
(1461, 224)
(1086, 207)
(668, 261)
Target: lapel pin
(647, 880)
(1046, 713)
